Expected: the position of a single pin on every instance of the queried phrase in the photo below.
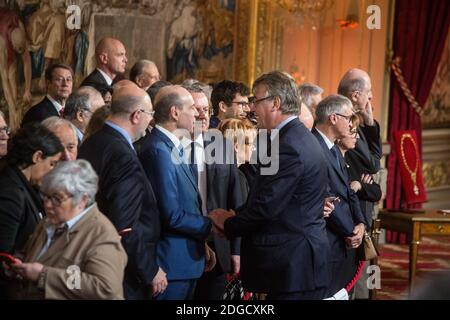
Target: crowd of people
(142, 189)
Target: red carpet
(434, 255)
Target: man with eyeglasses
(125, 194)
(229, 99)
(4, 136)
(79, 109)
(59, 81)
(284, 250)
(365, 158)
(346, 224)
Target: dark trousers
(342, 272)
(317, 294)
(211, 285)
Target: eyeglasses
(5, 129)
(256, 101)
(348, 118)
(150, 113)
(251, 145)
(55, 199)
(354, 134)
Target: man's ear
(103, 58)
(139, 81)
(79, 116)
(37, 156)
(354, 96)
(223, 106)
(174, 113)
(276, 103)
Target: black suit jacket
(96, 80)
(39, 112)
(347, 212)
(126, 197)
(365, 158)
(224, 191)
(284, 242)
(367, 153)
(20, 210)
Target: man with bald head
(125, 195)
(181, 249)
(364, 159)
(144, 73)
(111, 58)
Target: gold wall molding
(436, 174)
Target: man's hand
(355, 186)
(210, 258)
(159, 283)
(329, 206)
(218, 217)
(235, 264)
(358, 234)
(366, 178)
(367, 113)
(28, 271)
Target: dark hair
(75, 103)
(51, 68)
(154, 88)
(225, 91)
(29, 139)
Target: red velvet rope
(352, 283)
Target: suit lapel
(330, 158)
(185, 168)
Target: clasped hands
(218, 218)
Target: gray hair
(279, 84)
(76, 177)
(54, 123)
(163, 103)
(138, 68)
(348, 86)
(193, 85)
(75, 103)
(332, 104)
(2, 115)
(306, 91)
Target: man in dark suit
(364, 159)
(346, 224)
(125, 195)
(218, 183)
(284, 249)
(111, 58)
(59, 81)
(181, 249)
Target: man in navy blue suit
(346, 224)
(181, 249)
(125, 195)
(284, 247)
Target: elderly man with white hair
(66, 133)
(75, 252)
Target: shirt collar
(80, 134)
(50, 228)
(107, 78)
(169, 135)
(280, 126)
(55, 103)
(325, 138)
(122, 131)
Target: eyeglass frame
(241, 103)
(150, 113)
(6, 129)
(256, 101)
(348, 118)
(56, 202)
